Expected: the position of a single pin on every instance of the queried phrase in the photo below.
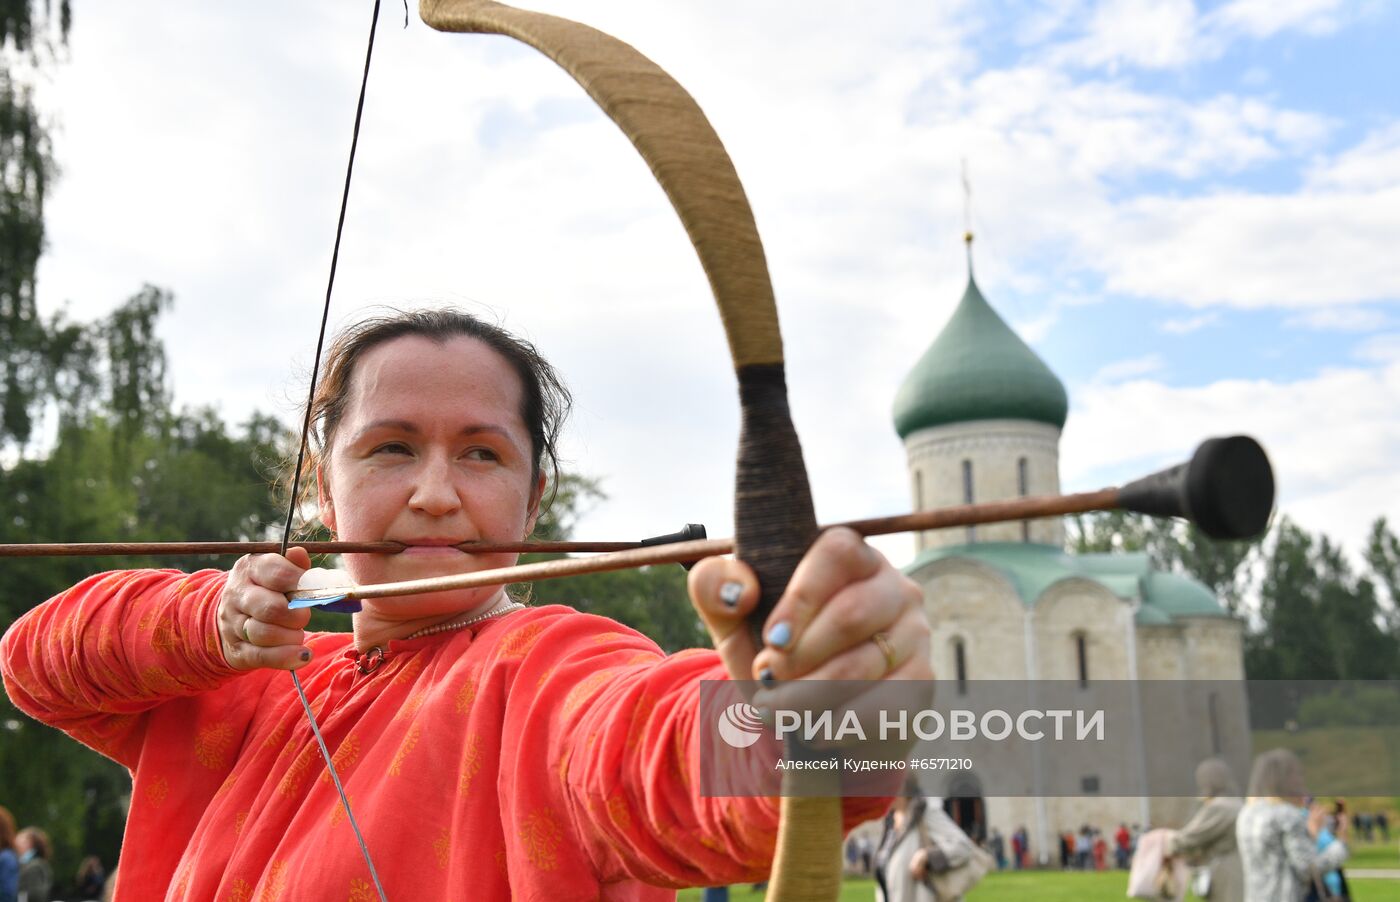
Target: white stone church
(981, 415)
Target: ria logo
(740, 725)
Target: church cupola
(980, 415)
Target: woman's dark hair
(7, 828)
(39, 841)
(544, 405)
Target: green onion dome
(978, 369)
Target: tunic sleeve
(623, 754)
(1205, 828)
(94, 660)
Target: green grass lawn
(1054, 886)
(1375, 856)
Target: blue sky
(1190, 210)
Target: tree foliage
(29, 35)
(121, 466)
(651, 600)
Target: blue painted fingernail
(780, 635)
(730, 592)
(765, 676)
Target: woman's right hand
(256, 628)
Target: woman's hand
(256, 628)
(846, 615)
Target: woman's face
(431, 451)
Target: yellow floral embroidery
(291, 779)
(361, 891)
(212, 743)
(159, 679)
(619, 813)
(640, 727)
(275, 883)
(225, 786)
(604, 638)
(240, 891)
(338, 812)
(411, 705)
(239, 820)
(519, 643)
(681, 750)
(441, 846)
(405, 748)
(182, 880)
(409, 671)
(165, 636)
(466, 695)
(157, 790)
(585, 689)
(344, 758)
(277, 738)
(471, 763)
(540, 836)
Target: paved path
(1391, 873)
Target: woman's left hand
(847, 614)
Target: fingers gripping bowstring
(305, 434)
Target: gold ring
(882, 641)
(247, 638)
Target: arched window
(1214, 702)
(1081, 653)
(967, 496)
(1023, 485)
(960, 664)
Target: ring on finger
(882, 642)
(246, 636)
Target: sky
(1190, 210)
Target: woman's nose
(435, 492)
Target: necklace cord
(305, 435)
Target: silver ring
(247, 638)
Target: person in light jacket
(1280, 858)
(1208, 839)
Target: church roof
(978, 369)
(1032, 569)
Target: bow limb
(774, 521)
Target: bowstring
(306, 431)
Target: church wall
(969, 601)
(994, 447)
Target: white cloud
(1265, 18)
(1189, 324)
(1131, 368)
(1340, 319)
(1171, 34)
(1153, 34)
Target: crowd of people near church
(1273, 844)
(27, 873)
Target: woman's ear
(323, 498)
(535, 497)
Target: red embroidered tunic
(545, 754)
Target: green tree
(1383, 559)
(122, 466)
(30, 33)
(651, 600)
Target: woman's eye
(482, 454)
(391, 448)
